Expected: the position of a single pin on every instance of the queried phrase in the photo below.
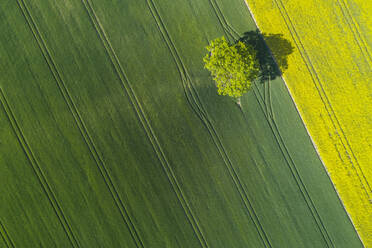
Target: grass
(113, 135)
(328, 77)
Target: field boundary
(38, 171)
(80, 124)
(327, 104)
(291, 164)
(5, 236)
(284, 150)
(267, 109)
(145, 123)
(307, 131)
(197, 106)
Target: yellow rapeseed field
(329, 77)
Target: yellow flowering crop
(329, 76)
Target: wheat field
(112, 134)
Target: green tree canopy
(233, 67)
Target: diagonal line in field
(5, 236)
(354, 27)
(221, 21)
(292, 166)
(227, 28)
(294, 172)
(37, 170)
(197, 106)
(225, 22)
(302, 55)
(81, 125)
(327, 104)
(268, 112)
(145, 123)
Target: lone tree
(233, 67)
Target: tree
(233, 67)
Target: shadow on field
(280, 49)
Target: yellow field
(329, 77)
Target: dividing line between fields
(326, 102)
(145, 123)
(197, 106)
(37, 170)
(291, 164)
(288, 158)
(266, 107)
(81, 125)
(312, 141)
(5, 236)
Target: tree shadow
(280, 48)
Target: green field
(112, 135)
